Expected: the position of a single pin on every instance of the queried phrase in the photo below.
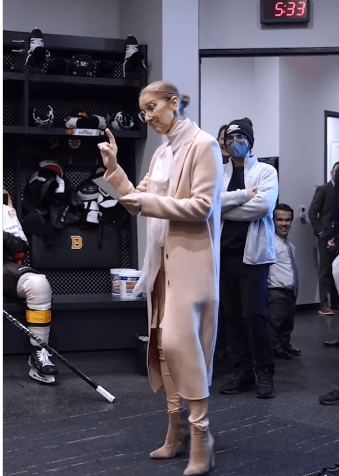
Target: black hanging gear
(13, 244)
(50, 203)
(100, 209)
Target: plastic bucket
(128, 279)
(115, 279)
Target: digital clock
(273, 11)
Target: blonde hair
(166, 90)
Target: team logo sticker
(74, 143)
(76, 242)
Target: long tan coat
(192, 255)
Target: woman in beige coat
(181, 196)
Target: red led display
(273, 11)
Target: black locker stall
(85, 314)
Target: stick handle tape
(105, 394)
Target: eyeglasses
(150, 110)
(239, 137)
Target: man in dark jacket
(320, 215)
(332, 397)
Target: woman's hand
(132, 202)
(109, 152)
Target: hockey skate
(42, 369)
(37, 53)
(134, 61)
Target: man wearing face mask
(248, 198)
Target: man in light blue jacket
(248, 198)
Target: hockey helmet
(52, 165)
(123, 121)
(43, 116)
(81, 65)
(77, 120)
(97, 122)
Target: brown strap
(7, 198)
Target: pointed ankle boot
(201, 452)
(176, 439)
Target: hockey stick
(43, 344)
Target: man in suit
(320, 215)
(283, 285)
(332, 397)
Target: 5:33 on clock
(284, 11)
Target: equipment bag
(78, 248)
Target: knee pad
(36, 290)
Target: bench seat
(82, 322)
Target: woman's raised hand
(109, 152)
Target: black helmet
(81, 65)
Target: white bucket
(128, 279)
(115, 279)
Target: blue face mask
(238, 149)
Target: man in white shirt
(282, 285)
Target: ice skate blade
(34, 374)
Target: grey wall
(98, 18)
(232, 88)
(236, 24)
(180, 49)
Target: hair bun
(185, 100)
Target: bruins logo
(76, 242)
(12, 213)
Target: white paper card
(106, 187)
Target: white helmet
(123, 121)
(43, 116)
